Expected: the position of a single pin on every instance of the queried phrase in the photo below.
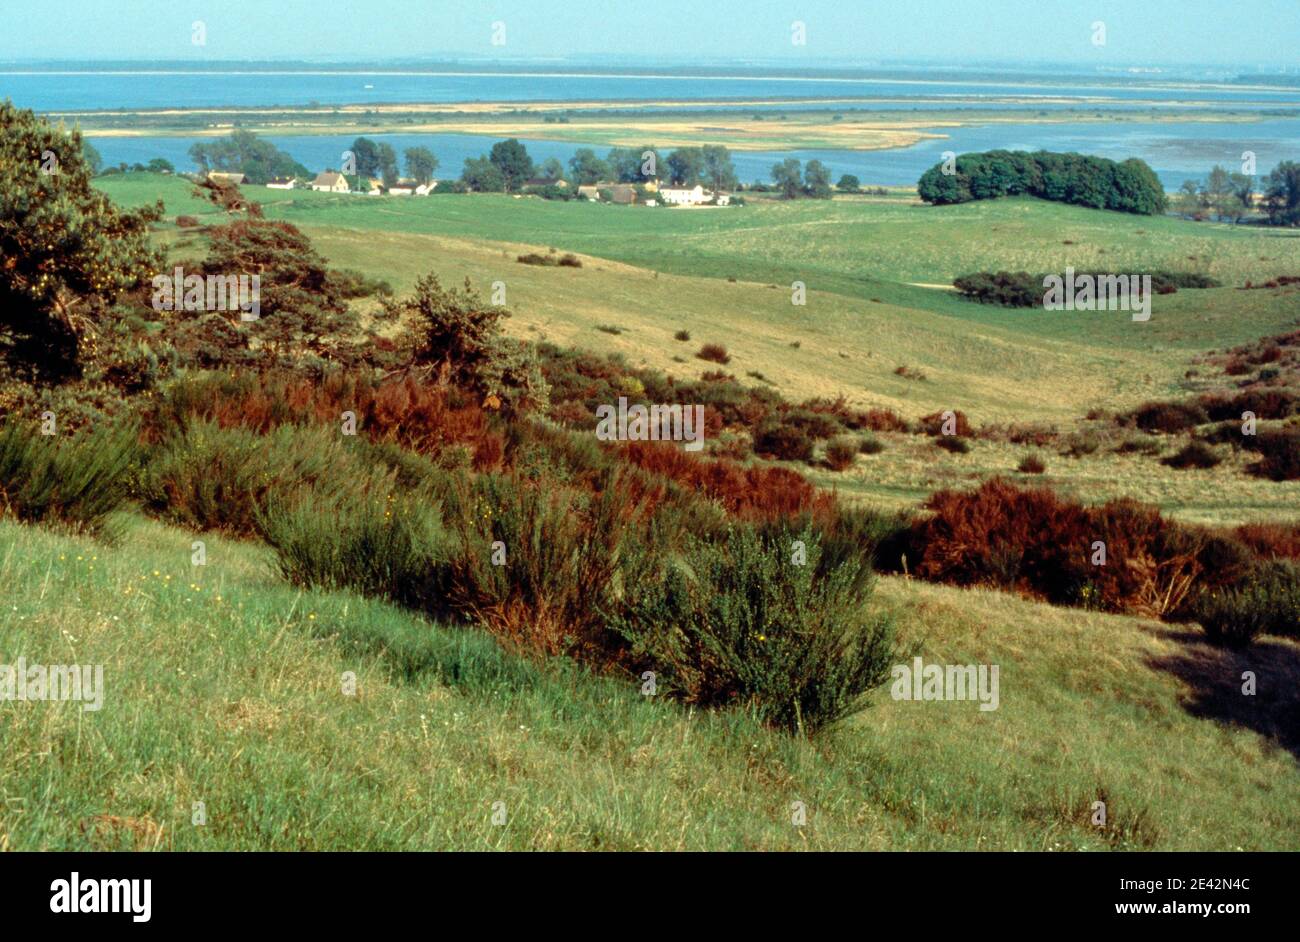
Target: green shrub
(1031, 464)
(870, 445)
(375, 540)
(204, 477)
(785, 442)
(1266, 601)
(736, 620)
(958, 446)
(74, 483)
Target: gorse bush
(373, 538)
(205, 477)
(1266, 602)
(74, 483)
(530, 561)
(736, 620)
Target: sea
(1177, 150)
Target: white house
(684, 196)
(330, 182)
(281, 183)
(411, 187)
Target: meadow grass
(223, 685)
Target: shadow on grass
(1214, 676)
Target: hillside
(223, 685)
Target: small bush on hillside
(840, 452)
(682, 335)
(783, 442)
(714, 353)
(1140, 446)
(762, 492)
(562, 548)
(187, 222)
(1031, 464)
(736, 622)
(933, 424)
(1010, 289)
(870, 445)
(1233, 617)
(1279, 455)
(1271, 540)
(1031, 540)
(958, 446)
(886, 420)
(71, 483)
(1167, 417)
(1195, 454)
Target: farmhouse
(589, 192)
(330, 182)
(412, 187)
(228, 179)
(547, 181)
(622, 193)
(684, 196)
(282, 183)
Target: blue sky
(1236, 32)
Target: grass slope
(224, 686)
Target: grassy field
(875, 271)
(223, 685)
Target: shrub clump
(784, 442)
(737, 621)
(714, 353)
(1195, 454)
(1267, 602)
(840, 452)
(1031, 464)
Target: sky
(1242, 33)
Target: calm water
(51, 91)
(1176, 150)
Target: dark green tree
(67, 253)
(1282, 194)
(817, 180)
(512, 160)
(587, 168)
(420, 164)
(482, 176)
(788, 176)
